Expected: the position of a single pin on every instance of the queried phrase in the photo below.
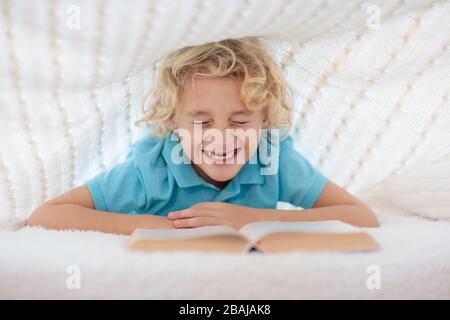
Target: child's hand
(213, 213)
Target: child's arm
(75, 210)
(334, 203)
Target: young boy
(213, 109)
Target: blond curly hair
(263, 85)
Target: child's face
(226, 133)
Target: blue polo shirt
(149, 182)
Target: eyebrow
(205, 113)
(198, 113)
(243, 112)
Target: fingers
(200, 214)
(195, 222)
(194, 211)
(183, 214)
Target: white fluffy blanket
(414, 262)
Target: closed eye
(240, 122)
(201, 122)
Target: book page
(256, 230)
(210, 238)
(185, 233)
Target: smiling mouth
(221, 157)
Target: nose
(219, 139)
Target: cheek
(251, 140)
(251, 137)
(191, 147)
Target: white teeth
(219, 157)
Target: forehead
(208, 95)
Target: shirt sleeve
(300, 183)
(120, 189)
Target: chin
(221, 166)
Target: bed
(372, 112)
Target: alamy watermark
(73, 281)
(236, 146)
(373, 281)
(73, 21)
(373, 21)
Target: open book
(257, 236)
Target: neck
(201, 173)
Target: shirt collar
(183, 172)
(250, 172)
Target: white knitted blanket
(371, 81)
